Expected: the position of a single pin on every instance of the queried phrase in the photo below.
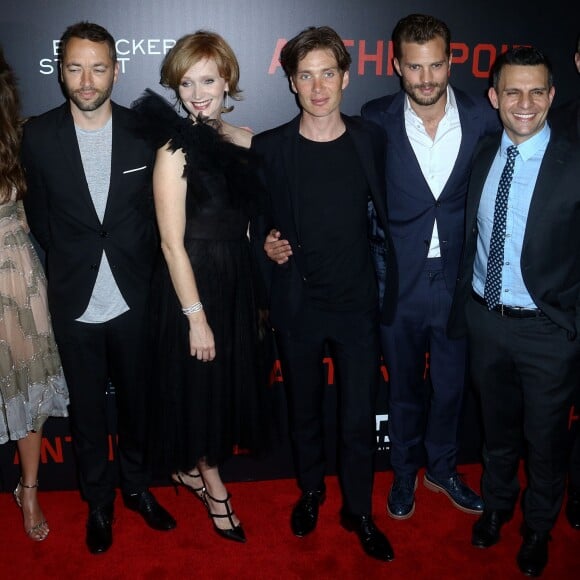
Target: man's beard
(415, 95)
(83, 105)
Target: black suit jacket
(277, 149)
(63, 219)
(550, 260)
(566, 119)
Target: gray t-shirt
(106, 300)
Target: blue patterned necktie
(496, 245)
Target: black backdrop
(146, 29)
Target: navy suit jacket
(63, 219)
(412, 207)
(278, 149)
(550, 261)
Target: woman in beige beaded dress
(32, 384)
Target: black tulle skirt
(206, 410)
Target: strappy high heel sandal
(199, 492)
(39, 531)
(235, 533)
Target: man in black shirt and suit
(320, 172)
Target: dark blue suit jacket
(277, 148)
(412, 207)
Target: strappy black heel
(235, 533)
(199, 492)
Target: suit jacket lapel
(118, 145)
(478, 178)
(66, 135)
(547, 181)
(365, 154)
(291, 167)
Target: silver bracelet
(195, 307)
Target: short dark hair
(520, 56)
(88, 31)
(578, 44)
(419, 28)
(313, 38)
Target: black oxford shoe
(305, 512)
(573, 508)
(533, 555)
(373, 541)
(486, 528)
(146, 505)
(99, 536)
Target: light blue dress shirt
(527, 166)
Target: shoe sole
(438, 489)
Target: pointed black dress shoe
(373, 541)
(154, 515)
(486, 528)
(99, 536)
(573, 508)
(305, 512)
(533, 555)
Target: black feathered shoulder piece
(204, 147)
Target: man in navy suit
(518, 302)
(431, 130)
(320, 172)
(90, 206)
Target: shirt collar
(530, 146)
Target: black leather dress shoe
(99, 536)
(533, 555)
(154, 515)
(373, 541)
(486, 528)
(305, 512)
(573, 508)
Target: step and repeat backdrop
(257, 29)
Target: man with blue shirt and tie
(518, 302)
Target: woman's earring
(226, 107)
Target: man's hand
(277, 250)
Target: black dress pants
(526, 371)
(354, 346)
(93, 354)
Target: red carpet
(434, 543)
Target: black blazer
(63, 219)
(550, 260)
(566, 119)
(277, 149)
